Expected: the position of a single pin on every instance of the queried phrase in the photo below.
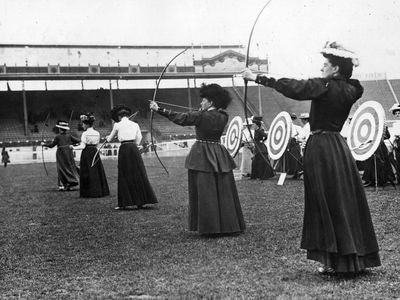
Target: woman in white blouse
(93, 181)
(134, 188)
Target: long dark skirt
(93, 181)
(133, 184)
(396, 158)
(214, 205)
(66, 169)
(379, 162)
(260, 168)
(337, 227)
(293, 158)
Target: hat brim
(394, 108)
(342, 53)
(62, 127)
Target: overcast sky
(291, 32)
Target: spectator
(395, 109)
(260, 166)
(5, 158)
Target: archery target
(234, 136)
(366, 130)
(279, 135)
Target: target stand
(366, 132)
(279, 135)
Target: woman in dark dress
(337, 226)
(395, 156)
(134, 188)
(260, 166)
(293, 153)
(5, 158)
(93, 181)
(214, 206)
(379, 162)
(67, 171)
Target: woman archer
(337, 225)
(214, 206)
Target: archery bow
(245, 80)
(45, 125)
(152, 113)
(97, 154)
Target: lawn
(55, 245)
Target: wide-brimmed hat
(337, 49)
(304, 116)
(62, 125)
(394, 108)
(119, 110)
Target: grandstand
(60, 105)
(63, 81)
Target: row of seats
(270, 101)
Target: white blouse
(89, 137)
(126, 130)
(296, 131)
(396, 128)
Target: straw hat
(62, 125)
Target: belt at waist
(320, 131)
(129, 141)
(208, 142)
(91, 145)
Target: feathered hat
(336, 49)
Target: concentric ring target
(234, 136)
(366, 130)
(279, 135)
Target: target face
(279, 135)
(234, 136)
(366, 130)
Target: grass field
(55, 245)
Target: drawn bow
(45, 124)
(245, 81)
(152, 113)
